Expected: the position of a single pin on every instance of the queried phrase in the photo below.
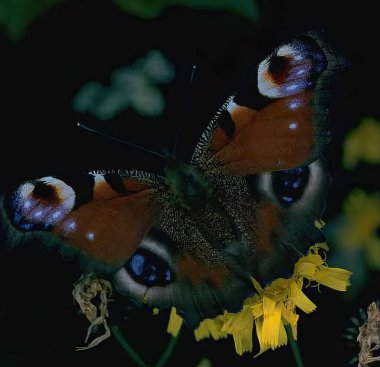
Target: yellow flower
(175, 322)
(362, 144)
(361, 213)
(274, 306)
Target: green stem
(125, 345)
(294, 346)
(134, 355)
(168, 351)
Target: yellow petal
(271, 325)
(210, 327)
(243, 337)
(304, 269)
(257, 310)
(175, 322)
(240, 325)
(290, 316)
(335, 278)
(311, 258)
(282, 336)
(259, 332)
(299, 299)
(248, 302)
(319, 223)
(268, 306)
(277, 290)
(257, 286)
(238, 321)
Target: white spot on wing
(57, 214)
(292, 87)
(90, 236)
(70, 225)
(27, 204)
(294, 105)
(285, 51)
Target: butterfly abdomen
(188, 187)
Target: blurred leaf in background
(204, 362)
(17, 15)
(362, 144)
(134, 86)
(152, 8)
(354, 232)
(361, 220)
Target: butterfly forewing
(106, 226)
(291, 130)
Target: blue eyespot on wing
(149, 269)
(289, 185)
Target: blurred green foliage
(354, 231)
(135, 86)
(151, 8)
(17, 15)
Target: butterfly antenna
(175, 147)
(187, 108)
(84, 127)
(193, 73)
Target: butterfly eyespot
(277, 64)
(148, 274)
(291, 68)
(148, 269)
(41, 204)
(297, 188)
(289, 185)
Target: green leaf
(17, 15)
(152, 8)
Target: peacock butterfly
(244, 205)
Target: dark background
(78, 41)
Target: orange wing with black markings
(107, 228)
(291, 130)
